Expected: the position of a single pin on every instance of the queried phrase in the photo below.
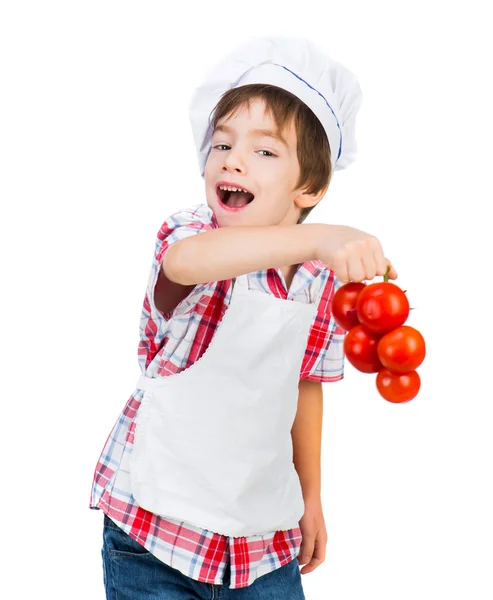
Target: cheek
(209, 161)
(208, 173)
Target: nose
(233, 161)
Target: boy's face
(261, 164)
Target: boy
(211, 476)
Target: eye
(270, 154)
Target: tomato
(360, 348)
(398, 387)
(382, 306)
(343, 306)
(402, 350)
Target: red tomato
(360, 348)
(402, 350)
(343, 305)
(382, 306)
(398, 387)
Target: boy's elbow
(174, 264)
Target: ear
(304, 200)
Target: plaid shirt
(172, 342)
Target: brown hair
(312, 144)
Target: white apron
(212, 444)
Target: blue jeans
(132, 573)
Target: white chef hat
(328, 88)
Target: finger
(355, 268)
(341, 270)
(392, 272)
(305, 557)
(382, 263)
(369, 265)
(307, 550)
(317, 558)
(311, 566)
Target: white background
(97, 151)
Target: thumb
(305, 554)
(392, 271)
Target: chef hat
(328, 88)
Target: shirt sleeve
(180, 225)
(154, 324)
(329, 365)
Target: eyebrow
(267, 132)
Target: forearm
(306, 434)
(227, 252)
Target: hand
(314, 534)
(352, 254)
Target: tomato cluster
(377, 340)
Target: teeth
(232, 189)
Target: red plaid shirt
(172, 342)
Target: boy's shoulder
(200, 211)
(194, 216)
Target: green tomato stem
(386, 276)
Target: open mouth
(234, 200)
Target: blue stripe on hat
(325, 100)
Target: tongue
(237, 199)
